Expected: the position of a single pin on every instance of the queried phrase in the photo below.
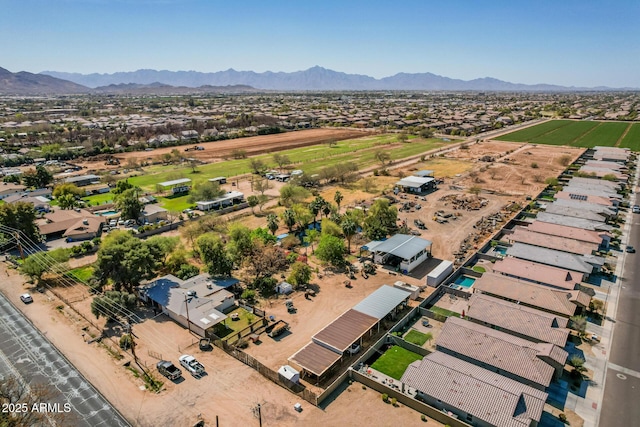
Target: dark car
(631, 249)
(169, 370)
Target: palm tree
(272, 223)
(349, 228)
(338, 199)
(289, 219)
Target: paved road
(25, 351)
(620, 405)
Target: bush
(394, 401)
(423, 418)
(248, 295)
(242, 343)
(534, 165)
(385, 397)
(126, 341)
(563, 418)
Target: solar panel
(578, 197)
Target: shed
(438, 274)
(284, 288)
(289, 373)
(414, 290)
(382, 301)
(402, 250)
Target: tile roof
(573, 222)
(540, 296)
(569, 232)
(550, 257)
(524, 235)
(537, 273)
(60, 220)
(503, 351)
(493, 398)
(574, 212)
(525, 321)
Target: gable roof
(402, 245)
(574, 233)
(345, 330)
(529, 322)
(524, 235)
(556, 301)
(493, 398)
(550, 257)
(538, 273)
(573, 222)
(503, 351)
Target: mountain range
(232, 81)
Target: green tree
(122, 186)
(112, 303)
(289, 219)
(382, 156)
(128, 204)
(331, 250)
(68, 188)
(300, 274)
(206, 190)
(265, 261)
(330, 227)
(125, 260)
(262, 234)
(311, 238)
(187, 271)
(272, 223)
(20, 216)
(162, 247)
(68, 201)
(338, 197)
(241, 243)
(39, 177)
(37, 264)
(213, 254)
(349, 229)
(579, 323)
(281, 160)
(291, 194)
(257, 166)
(381, 220)
(253, 202)
(302, 215)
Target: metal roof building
(553, 257)
(474, 393)
(416, 184)
(175, 182)
(382, 302)
(401, 249)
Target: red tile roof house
(601, 238)
(476, 395)
(538, 273)
(561, 302)
(519, 320)
(524, 235)
(534, 364)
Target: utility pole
(186, 303)
(259, 415)
(17, 234)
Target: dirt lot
(512, 168)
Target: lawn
(395, 361)
(479, 269)
(417, 337)
(632, 138)
(175, 204)
(233, 326)
(579, 134)
(99, 199)
(82, 273)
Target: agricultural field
(585, 134)
(632, 138)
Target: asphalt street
(26, 352)
(620, 405)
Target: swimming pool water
(501, 250)
(464, 281)
(107, 213)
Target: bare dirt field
(256, 144)
(512, 168)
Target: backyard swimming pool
(106, 213)
(501, 250)
(464, 282)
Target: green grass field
(395, 361)
(99, 199)
(632, 138)
(82, 273)
(586, 134)
(310, 159)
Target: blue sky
(580, 43)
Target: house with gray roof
(560, 302)
(573, 222)
(606, 211)
(475, 395)
(575, 212)
(596, 183)
(519, 320)
(551, 257)
(534, 364)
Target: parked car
(190, 363)
(26, 298)
(169, 370)
(635, 209)
(631, 249)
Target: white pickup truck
(190, 363)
